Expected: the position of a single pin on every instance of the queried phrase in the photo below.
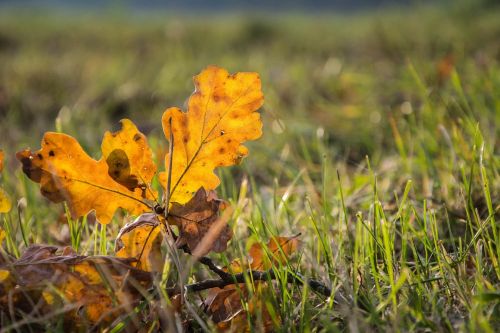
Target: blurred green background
(339, 76)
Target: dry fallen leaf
(88, 289)
(226, 309)
(221, 116)
(224, 305)
(142, 240)
(444, 68)
(121, 178)
(195, 220)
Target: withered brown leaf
(89, 289)
(224, 305)
(198, 222)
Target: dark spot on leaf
(51, 153)
(40, 156)
(119, 169)
(137, 137)
(222, 150)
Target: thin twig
(228, 279)
(209, 263)
(269, 275)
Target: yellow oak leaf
(141, 240)
(4, 274)
(5, 202)
(221, 116)
(121, 178)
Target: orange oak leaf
(121, 178)
(279, 249)
(221, 116)
(199, 223)
(141, 240)
(5, 202)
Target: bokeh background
(338, 71)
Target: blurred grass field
(381, 147)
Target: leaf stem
(170, 159)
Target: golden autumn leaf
(198, 222)
(221, 116)
(5, 202)
(141, 240)
(2, 236)
(4, 275)
(94, 289)
(121, 178)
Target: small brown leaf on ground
(226, 309)
(224, 305)
(89, 289)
